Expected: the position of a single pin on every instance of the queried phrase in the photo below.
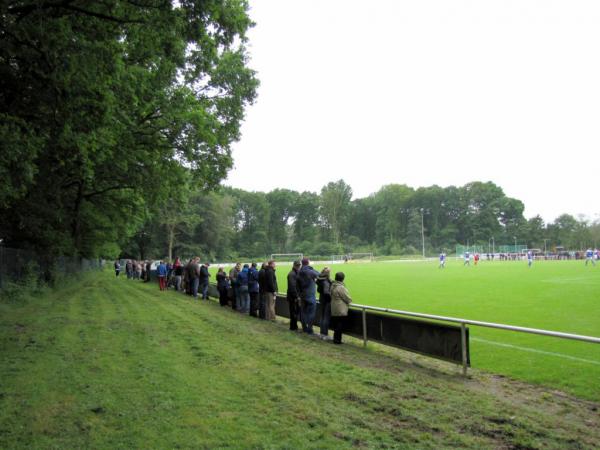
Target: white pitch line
(541, 352)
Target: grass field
(105, 363)
(552, 295)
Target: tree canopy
(109, 108)
(238, 223)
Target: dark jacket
(193, 271)
(307, 285)
(262, 281)
(292, 285)
(324, 288)
(233, 274)
(252, 280)
(222, 282)
(242, 278)
(270, 280)
(204, 273)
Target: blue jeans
(244, 305)
(308, 316)
(204, 289)
(195, 282)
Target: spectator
(129, 269)
(161, 272)
(203, 280)
(244, 295)
(233, 274)
(293, 296)
(178, 271)
(187, 281)
(117, 267)
(193, 276)
(262, 310)
(222, 286)
(253, 289)
(270, 290)
(148, 270)
(308, 293)
(138, 270)
(340, 299)
(324, 289)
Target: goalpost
(360, 257)
(287, 257)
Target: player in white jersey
(442, 261)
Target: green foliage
(234, 222)
(108, 107)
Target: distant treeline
(233, 222)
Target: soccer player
(442, 261)
(529, 258)
(476, 258)
(467, 259)
(589, 256)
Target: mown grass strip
(115, 364)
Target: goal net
(287, 257)
(360, 257)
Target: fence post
(463, 338)
(1, 261)
(364, 326)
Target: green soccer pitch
(552, 295)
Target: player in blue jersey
(467, 259)
(529, 258)
(442, 261)
(589, 256)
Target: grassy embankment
(105, 363)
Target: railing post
(364, 326)
(463, 338)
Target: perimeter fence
(26, 266)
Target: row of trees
(232, 222)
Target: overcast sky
(427, 92)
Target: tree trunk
(171, 239)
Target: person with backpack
(308, 293)
(324, 290)
(253, 289)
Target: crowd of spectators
(249, 290)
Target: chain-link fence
(18, 265)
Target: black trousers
(254, 304)
(338, 324)
(294, 312)
(223, 297)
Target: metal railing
(464, 322)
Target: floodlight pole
(422, 233)
(515, 244)
(545, 251)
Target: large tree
(107, 107)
